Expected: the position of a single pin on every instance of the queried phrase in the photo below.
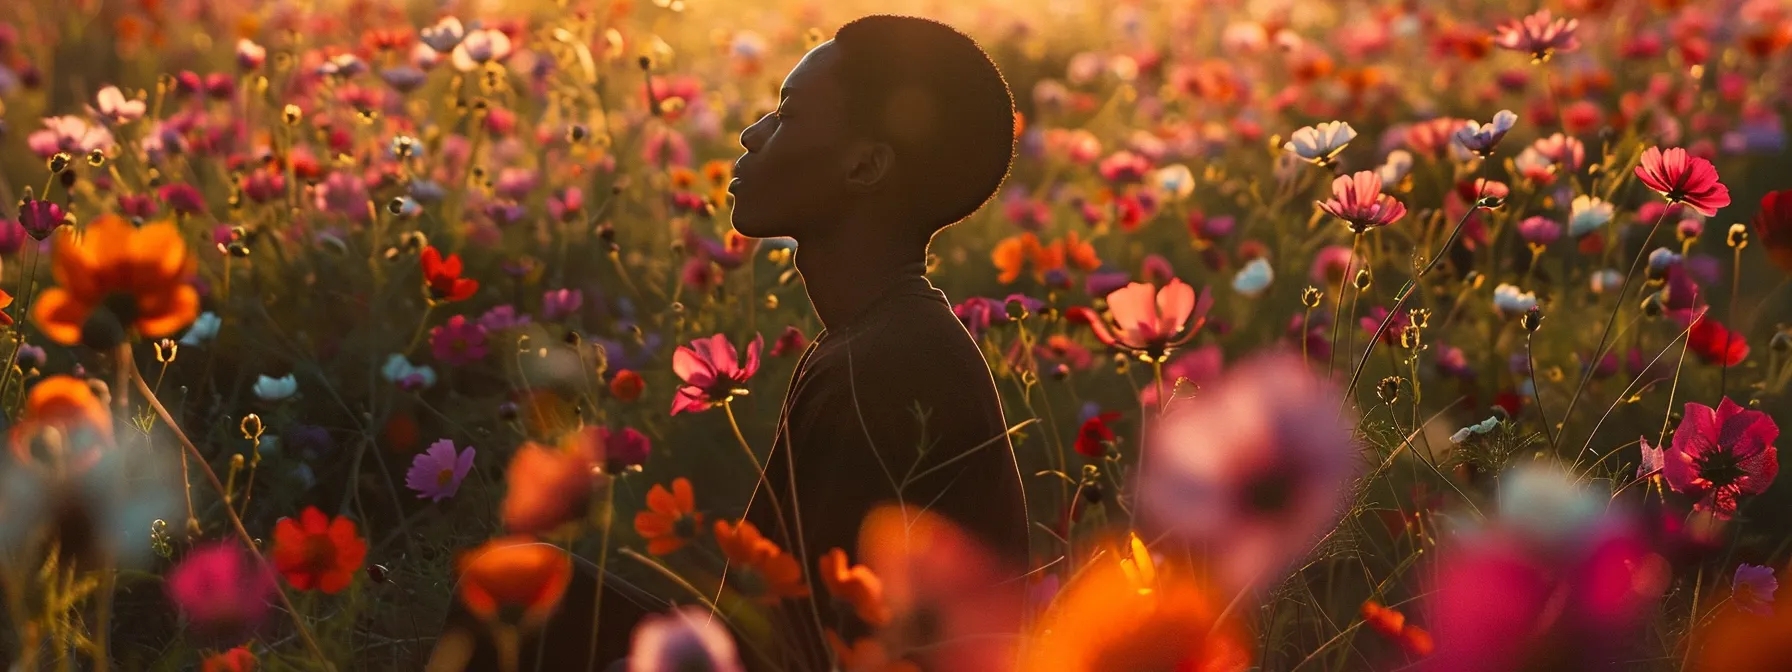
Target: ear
(869, 165)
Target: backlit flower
(1539, 35)
(436, 473)
(671, 519)
(317, 551)
(712, 372)
(514, 578)
(70, 134)
(623, 448)
(116, 277)
(1320, 143)
(1752, 589)
(1024, 253)
(40, 218)
(1482, 138)
(458, 342)
(1773, 227)
(1147, 320)
(444, 36)
(548, 487)
(954, 606)
(1719, 455)
(118, 109)
(222, 591)
(854, 585)
(1683, 178)
(441, 277)
(689, 638)
(1709, 339)
(479, 47)
(764, 570)
(1357, 199)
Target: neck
(844, 274)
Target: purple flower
(1105, 283)
(136, 205)
(40, 218)
(404, 78)
(1752, 589)
(516, 183)
(459, 342)
(221, 590)
(436, 473)
(1539, 230)
(501, 318)
(975, 313)
(561, 303)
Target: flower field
(1360, 335)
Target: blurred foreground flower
(1752, 589)
(689, 638)
(765, 572)
(222, 591)
(549, 487)
(712, 372)
(81, 424)
(1719, 455)
(517, 581)
(117, 278)
(238, 659)
(317, 551)
(954, 607)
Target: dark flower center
(105, 327)
(1721, 468)
(1268, 493)
(685, 527)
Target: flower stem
(1537, 394)
(1618, 306)
(1400, 303)
(1331, 358)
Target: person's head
(903, 117)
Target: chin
(755, 227)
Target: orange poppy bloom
(953, 605)
(1024, 252)
(115, 277)
(238, 659)
(5, 301)
(1079, 252)
(1392, 624)
(866, 655)
(514, 572)
(683, 178)
(549, 487)
(855, 585)
(671, 518)
(318, 552)
(68, 405)
(718, 172)
(777, 574)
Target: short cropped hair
(936, 97)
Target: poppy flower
(1683, 178)
(317, 551)
(548, 487)
(671, 518)
(688, 638)
(238, 659)
(1539, 35)
(1147, 320)
(514, 577)
(1773, 226)
(1392, 625)
(441, 277)
(1718, 455)
(627, 385)
(771, 572)
(1712, 341)
(1357, 199)
(222, 591)
(1093, 437)
(436, 473)
(712, 372)
(116, 278)
(856, 586)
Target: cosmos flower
(441, 277)
(221, 590)
(116, 278)
(773, 574)
(1752, 589)
(1482, 138)
(437, 472)
(1175, 181)
(1682, 178)
(1396, 167)
(1539, 230)
(1587, 214)
(118, 109)
(1320, 144)
(238, 659)
(1022, 253)
(458, 342)
(712, 372)
(1146, 320)
(548, 486)
(276, 389)
(317, 551)
(1719, 455)
(688, 638)
(854, 585)
(479, 47)
(69, 134)
(1539, 35)
(515, 580)
(1773, 227)
(953, 605)
(561, 303)
(1357, 199)
(671, 518)
(627, 385)
(1093, 437)
(204, 329)
(444, 36)
(1709, 339)
(1254, 278)
(1509, 302)
(402, 372)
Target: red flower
(1392, 624)
(442, 277)
(1774, 226)
(1683, 178)
(235, 660)
(1720, 454)
(790, 342)
(549, 487)
(318, 552)
(1715, 343)
(627, 386)
(1093, 437)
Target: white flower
(423, 57)
(1508, 301)
(479, 47)
(205, 328)
(1533, 165)
(399, 369)
(443, 36)
(1399, 163)
(1320, 143)
(1175, 180)
(1255, 277)
(120, 110)
(276, 389)
(1482, 138)
(1606, 280)
(1587, 213)
(1477, 429)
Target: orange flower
(1392, 624)
(68, 405)
(5, 301)
(114, 278)
(777, 574)
(718, 172)
(1018, 253)
(683, 178)
(671, 518)
(514, 572)
(549, 487)
(235, 660)
(317, 552)
(953, 605)
(1079, 252)
(855, 585)
(866, 655)
(627, 386)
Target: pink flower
(221, 590)
(68, 134)
(118, 109)
(1357, 199)
(1539, 35)
(560, 303)
(1719, 455)
(459, 342)
(1123, 167)
(793, 342)
(627, 447)
(1147, 320)
(1539, 230)
(1256, 467)
(712, 372)
(1683, 178)
(1332, 264)
(687, 638)
(436, 473)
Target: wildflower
(458, 342)
(711, 372)
(117, 277)
(1256, 464)
(1539, 35)
(772, 572)
(444, 36)
(1093, 438)
(316, 551)
(1773, 225)
(856, 586)
(1710, 340)
(1123, 167)
(441, 277)
(1508, 301)
(1015, 254)
(1539, 230)
(688, 638)
(1752, 589)
(1392, 624)
(561, 303)
(1719, 455)
(118, 109)
(1534, 166)
(402, 372)
(501, 318)
(479, 47)
(1175, 181)
(671, 519)
(436, 473)
(623, 449)
(67, 405)
(548, 487)
(1482, 138)
(343, 193)
(1587, 214)
(627, 385)
(515, 580)
(1563, 150)
(1320, 144)
(238, 659)
(249, 55)
(221, 590)
(1682, 178)
(204, 329)
(1332, 264)
(1147, 320)
(69, 134)
(276, 389)
(1396, 167)
(952, 605)
(1254, 278)
(1357, 199)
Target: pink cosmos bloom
(1683, 178)
(1255, 467)
(685, 639)
(41, 218)
(1147, 320)
(793, 342)
(1539, 230)
(1539, 35)
(1431, 137)
(711, 371)
(1124, 167)
(118, 109)
(1332, 264)
(1752, 589)
(1567, 152)
(560, 303)
(626, 447)
(221, 590)
(458, 342)
(436, 473)
(1357, 199)
(343, 194)
(1719, 455)
(68, 134)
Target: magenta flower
(712, 372)
(343, 194)
(436, 473)
(1752, 589)
(1683, 178)
(221, 590)
(183, 198)
(502, 317)
(560, 303)
(458, 342)
(1146, 320)
(623, 448)
(686, 639)
(40, 218)
(68, 134)
(1539, 230)
(1539, 35)
(1357, 199)
(1123, 167)
(1719, 455)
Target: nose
(753, 137)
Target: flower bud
(1310, 296)
(1362, 280)
(1738, 236)
(1533, 319)
(1389, 390)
